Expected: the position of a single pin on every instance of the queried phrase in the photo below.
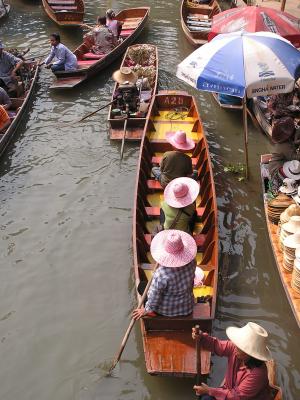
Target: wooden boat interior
(226, 106)
(136, 124)
(169, 349)
(65, 12)
(285, 276)
(25, 87)
(197, 19)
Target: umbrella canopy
(256, 19)
(258, 64)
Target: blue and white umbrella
(239, 63)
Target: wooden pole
(282, 5)
(124, 136)
(198, 358)
(245, 125)
(132, 322)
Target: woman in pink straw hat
(247, 375)
(178, 210)
(176, 163)
(171, 290)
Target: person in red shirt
(246, 377)
(4, 119)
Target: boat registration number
(173, 101)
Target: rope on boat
(177, 113)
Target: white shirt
(63, 55)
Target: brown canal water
(66, 282)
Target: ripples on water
(66, 204)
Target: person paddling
(175, 163)
(246, 376)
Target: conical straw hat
(251, 339)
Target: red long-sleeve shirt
(241, 383)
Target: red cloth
(256, 19)
(241, 383)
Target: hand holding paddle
(132, 322)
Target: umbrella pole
(245, 124)
(282, 5)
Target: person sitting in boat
(4, 120)
(66, 60)
(286, 148)
(247, 374)
(5, 100)
(279, 105)
(103, 39)
(175, 163)
(113, 24)
(171, 290)
(127, 95)
(178, 210)
(9, 65)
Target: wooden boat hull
(292, 296)
(70, 79)
(168, 347)
(197, 35)
(226, 106)
(135, 126)
(260, 115)
(4, 12)
(22, 103)
(69, 15)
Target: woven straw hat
(251, 339)
(181, 192)
(292, 241)
(123, 75)
(289, 186)
(179, 140)
(173, 248)
(293, 225)
(291, 169)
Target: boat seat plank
(92, 56)
(61, 2)
(126, 32)
(62, 8)
(199, 239)
(155, 211)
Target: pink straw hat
(181, 192)
(179, 140)
(173, 248)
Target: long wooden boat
(286, 277)
(168, 346)
(134, 21)
(226, 106)
(4, 9)
(196, 20)
(65, 12)
(262, 115)
(275, 389)
(18, 108)
(144, 69)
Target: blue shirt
(171, 290)
(7, 64)
(63, 55)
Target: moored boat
(143, 60)
(27, 83)
(4, 9)
(262, 114)
(196, 19)
(90, 64)
(227, 105)
(65, 12)
(286, 277)
(168, 346)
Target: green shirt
(183, 222)
(174, 164)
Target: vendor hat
(291, 169)
(179, 140)
(289, 186)
(293, 225)
(251, 339)
(124, 74)
(283, 129)
(173, 248)
(181, 192)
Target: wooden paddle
(124, 136)
(132, 322)
(198, 358)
